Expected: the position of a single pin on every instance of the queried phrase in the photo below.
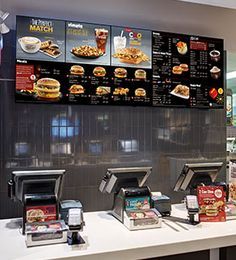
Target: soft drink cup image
(101, 39)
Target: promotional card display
(40, 39)
(211, 200)
(187, 71)
(40, 81)
(132, 61)
(131, 47)
(82, 63)
(87, 43)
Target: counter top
(107, 238)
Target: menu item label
(87, 43)
(40, 39)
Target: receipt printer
(66, 205)
(161, 203)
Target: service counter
(107, 238)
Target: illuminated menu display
(91, 64)
(188, 71)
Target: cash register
(132, 199)
(39, 193)
(192, 176)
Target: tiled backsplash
(86, 140)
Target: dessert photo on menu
(131, 47)
(87, 43)
(40, 39)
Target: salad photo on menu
(131, 47)
(87, 43)
(40, 39)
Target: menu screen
(87, 43)
(187, 71)
(40, 39)
(82, 63)
(131, 47)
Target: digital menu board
(88, 43)
(188, 71)
(40, 39)
(80, 63)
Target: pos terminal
(132, 200)
(192, 176)
(39, 193)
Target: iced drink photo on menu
(119, 42)
(101, 39)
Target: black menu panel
(49, 82)
(92, 64)
(188, 71)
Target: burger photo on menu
(77, 70)
(87, 43)
(131, 47)
(76, 89)
(120, 73)
(184, 67)
(47, 89)
(40, 39)
(99, 72)
(179, 69)
(181, 91)
(140, 92)
(140, 74)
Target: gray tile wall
(86, 140)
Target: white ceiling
(220, 3)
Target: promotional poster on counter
(40, 39)
(211, 200)
(92, 64)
